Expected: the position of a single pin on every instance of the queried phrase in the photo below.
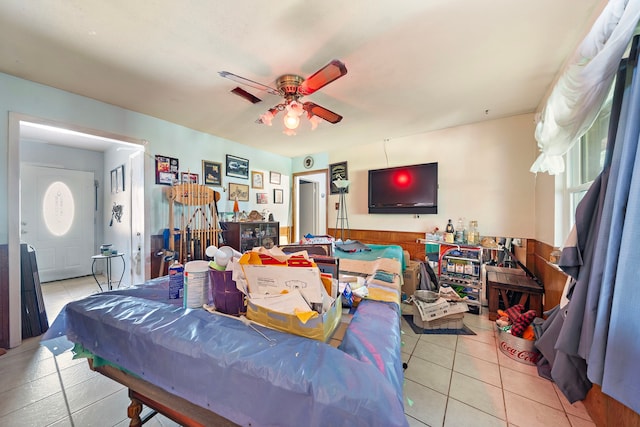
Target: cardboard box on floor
(411, 278)
(452, 321)
(426, 312)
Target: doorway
(57, 220)
(117, 149)
(309, 202)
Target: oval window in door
(58, 208)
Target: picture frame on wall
(262, 198)
(211, 173)
(275, 178)
(120, 179)
(241, 191)
(278, 196)
(338, 171)
(189, 178)
(166, 170)
(237, 167)
(114, 181)
(257, 179)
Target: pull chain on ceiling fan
(293, 87)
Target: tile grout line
(64, 393)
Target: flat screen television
(405, 189)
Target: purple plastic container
(226, 297)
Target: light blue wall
(165, 138)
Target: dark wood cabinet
(244, 236)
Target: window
(585, 161)
(58, 208)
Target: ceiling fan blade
(246, 95)
(325, 75)
(248, 82)
(323, 113)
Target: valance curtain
(576, 99)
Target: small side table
(501, 282)
(109, 271)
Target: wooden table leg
(493, 302)
(133, 412)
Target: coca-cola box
(518, 349)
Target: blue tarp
(225, 366)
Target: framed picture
(278, 194)
(274, 177)
(114, 181)
(237, 166)
(211, 173)
(257, 179)
(120, 178)
(262, 198)
(166, 170)
(241, 191)
(338, 171)
(189, 178)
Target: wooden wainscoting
(406, 239)
(4, 296)
(550, 274)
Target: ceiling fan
(293, 87)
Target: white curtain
(580, 92)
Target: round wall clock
(308, 162)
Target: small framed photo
(189, 178)
(338, 171)
(114, 181)
(241, 191)
(120, 178)
(278, 195)
(166, 170)
(257, 179)
(211, 173)
(274, 177)
(237, 167)
(262, 198)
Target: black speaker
(34, 314)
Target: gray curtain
(594, 339)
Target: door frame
(294, 198)
(13, 209)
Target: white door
(57, 219)
(308, 208)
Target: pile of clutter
(517, 323)
(433, 310)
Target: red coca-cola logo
(525, 356)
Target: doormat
(418, 330)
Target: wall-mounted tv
(405, 189)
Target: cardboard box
(441, 308)
(411, 278)
(452, 321)
(320, 328)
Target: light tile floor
(450, 381)
(465, 380)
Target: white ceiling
(413, 65)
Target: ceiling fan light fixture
(315, 121)
(292, 87)
(266, 118)
(291, 121)
(295, 108)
